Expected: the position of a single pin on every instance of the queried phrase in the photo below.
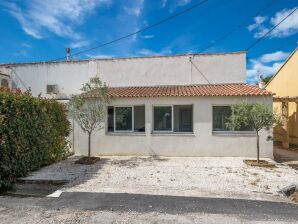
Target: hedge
(33, 133)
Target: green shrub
(33, 133)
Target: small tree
(257, 116)
(89, 107)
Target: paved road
(176, 206)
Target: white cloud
(55, 16)
(288, 27)
(258, 21)
(285, 29)
(163, 3)
(275, 56)
(136, 9)
(79, 44)
(266, 65)
(148, 36)
(148, 52)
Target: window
(123, 118)
(139, 118)
(111, 119)
(183, 118)
(177, 118)
(220, 119)
(163, 118)
(130, 118)
(4, 83)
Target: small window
(4, 83)
(220, 119)
(110, 119)
(123, 118)
(126, 119)
(163, 118)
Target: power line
(244, 22)
(268, 32)
(140, 30)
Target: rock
(287, 191)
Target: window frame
(132, 119)
(226, 131)
(172, 120)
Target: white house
(163, 105)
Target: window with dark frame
(220, 116)
(128, 118)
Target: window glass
(110, 118)
(220, 117)
(183, 118)
(162, 118)
(139, 118)
(123, 117)
(4, 83)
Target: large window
(177, 118)
(220, 119)
(130, 119)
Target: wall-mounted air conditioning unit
(52, 89)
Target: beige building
(285, 85)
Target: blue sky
(34, 30)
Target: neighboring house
(163, 105)
(285, 85)
(5, 80)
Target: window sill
(234, 133)
(172, 134)
(126, 133)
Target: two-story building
(163, 105)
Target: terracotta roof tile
(187, 91)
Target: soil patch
(262, 163)
(87, 160)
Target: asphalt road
(249, 210)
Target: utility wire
(268, 32)
(244, 22)
(138, 31)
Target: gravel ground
(210, 177)
(65, 216)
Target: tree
(89, 107)
(267, 79)
(257, 116)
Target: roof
(187, 91)
(124, 58)
(2, 74)
(282, 66)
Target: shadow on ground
(122, 202)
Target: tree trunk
(89, 144)
(258, 147)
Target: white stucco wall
(201, 143)
(146, 71)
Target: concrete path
(248, 211)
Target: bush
(33, 133)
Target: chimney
(261, 82)
(67, 53)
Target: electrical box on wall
(52, 89)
